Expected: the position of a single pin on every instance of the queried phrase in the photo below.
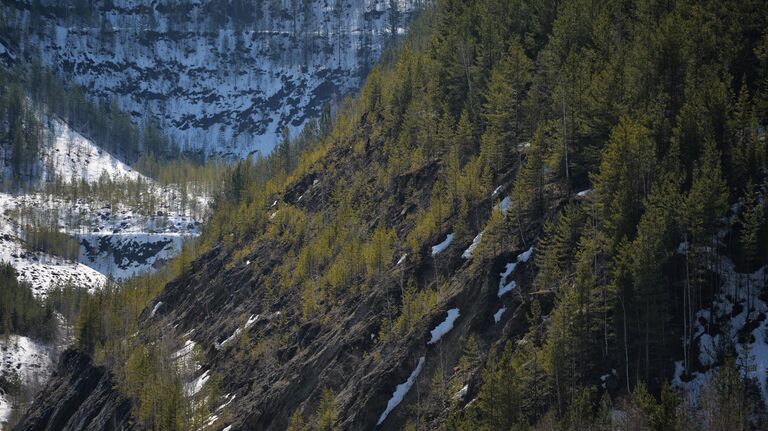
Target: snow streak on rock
(475, 242)
(439, 248)
(401, 391)
(497, 315)
(445, 326)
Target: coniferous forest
(533, 215)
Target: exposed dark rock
(79, 396)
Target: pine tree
(752, 219)
(624, 180)
(378, 252)
(642, 288)
(555, 250)
(326, 411)
(704, 206)
(500, 398)
(528, 195)
(503, 110)
(297, 422)
(393, 18)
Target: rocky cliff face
(221, 78)
(269, 361)
(83, 399)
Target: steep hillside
(82, 218)
(222, 77)
(537, 215)
(67, 156)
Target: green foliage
(555, 249)
(20, 129)
(752, 223)
(378, 252)
(707, 201)
(503, 110)
(326, 411)
(656, 107)
(46, 240)
(20, 312)
(626, 173)
(106, 325)
(157, 389)
(415, 305)
(529, 195)
(297, 422)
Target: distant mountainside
(221, 77)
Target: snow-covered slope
(118, 245)
(43, 271)
(126, 254)
(70, 156)
(26, 362)
(740, 309)
(736, 323)
(116, 239)
(218, 83)
(66, 156)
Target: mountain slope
(520, 223)
(221, 78)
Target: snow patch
(5, 409)
(439, 248)
(185, 350)
(497, 315)
(738, 289)
(445, 326)
(25, 359)
(461, 393)
(228, 340)
(475, 242)
(195, 386)
(155, 308)
(211, 420)
(251, 321)
(526, 255)
(504, 286)
(229, 399)
(401, 391)
(504, 205)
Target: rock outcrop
(80, 396)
